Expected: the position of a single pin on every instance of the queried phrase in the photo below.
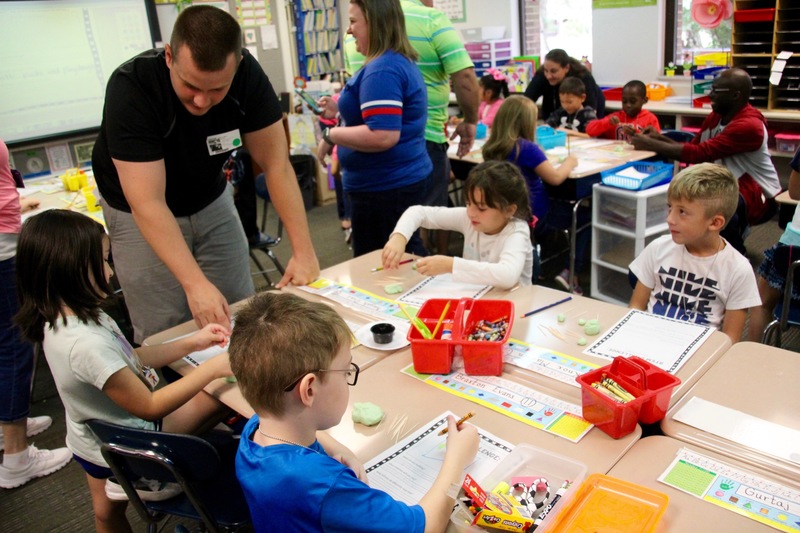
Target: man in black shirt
(171, 119)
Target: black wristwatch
(326, 136)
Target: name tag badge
(223, 142)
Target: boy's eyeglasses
(351, 374)
(717, 90)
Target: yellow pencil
(461, 421)
(441, 318)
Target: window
(549, 24)
(685, 38)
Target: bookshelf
(318, 37)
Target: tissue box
(518, 75)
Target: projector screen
(55, 59)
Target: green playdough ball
(367, 413)
(231, 379)
(581, 321)
(561, 318)
(394, 288)
(582, 341)
(591, 328)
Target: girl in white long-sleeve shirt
(495, 224)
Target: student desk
(531, 330)
(651, 456)
(357, 272)
(758, 380)
(409, 403)
(62, 199)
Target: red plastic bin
(434, 356)
(651, 386)
(481, 358)
(614, 93)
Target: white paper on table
(750, 431)
(631, 172)
(406, 471)
(662, 341)
(442, 286)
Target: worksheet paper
(357, 299)
(734, 489)
(662, 341)
(407, 470)
(556, 365)
(744, 429)
(442, 286)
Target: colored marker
(553, 502)
(463, 419)
(529, 313)
(378, 269)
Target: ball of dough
(561, 317)
(591, 328)
(582, 341)
(393, 288)
(367, 413)
(581, 321)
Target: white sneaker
(40, 463)
(36, 425)
(149, 490)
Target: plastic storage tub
(547, 137)
(481, 358)
(614, 93)
(656, 91)
(787, 142)
(651, 387)
(604, 503)
(657, 173)
(529, 461)
(708, 73)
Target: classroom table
(357, 272)
(60, 199)
(786, 208)
(409, 403)
(651, 456)
(759, 380)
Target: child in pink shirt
(493, 85)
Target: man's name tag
(223, 142)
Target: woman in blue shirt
(385, 164)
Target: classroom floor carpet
(60, 502)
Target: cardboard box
(323, 194)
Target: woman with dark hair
(557, 66)
(385, 164)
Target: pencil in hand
(458, 423)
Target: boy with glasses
(293, 364)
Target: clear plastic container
(530, 461)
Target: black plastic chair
(266, 248)
(787, 312)
(211, 493)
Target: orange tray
(604, 503)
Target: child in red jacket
(631, 119)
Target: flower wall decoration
(709, 13)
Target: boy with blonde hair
(693, 274)
(292, 360)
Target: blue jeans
(16, 355)
(439, 178)
(375, 214)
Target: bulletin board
(454, 9)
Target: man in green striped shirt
(442, 60)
